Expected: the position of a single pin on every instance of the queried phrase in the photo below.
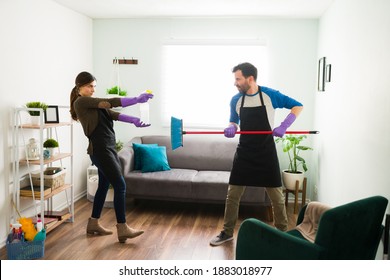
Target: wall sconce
(321, 74)
(324, 73)
(328, 72)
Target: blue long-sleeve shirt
(273, 99)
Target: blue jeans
(109, 174)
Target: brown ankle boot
(94, 227)
(124, 232)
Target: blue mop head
(176, 133)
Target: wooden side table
(296, 194)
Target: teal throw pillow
(137, 154)
(154, 159)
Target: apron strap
(260, 95)
(242, 101)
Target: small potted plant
(50, 144)
(117, 91)
(118, 145)
(35, 114)
(291, 146)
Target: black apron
(256, 161)
(103, 145)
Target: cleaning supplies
(28, 228)
(144, 110)
(16, 231)
(39, 225)
(40, 236)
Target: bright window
(198, 82)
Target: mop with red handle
(177, 132)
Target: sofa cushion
(154, 159)
(137, 154)
(211, 185)
(174, 183)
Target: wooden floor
(173, 231)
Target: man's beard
(244, 89)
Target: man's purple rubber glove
(142, 98)
(129, 119)
(281, 130)
(230, 131)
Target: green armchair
(348, 232)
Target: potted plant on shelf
(291, 146)
(35, 114)
(50, 144)
(117, 90)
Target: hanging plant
(117, 90)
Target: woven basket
(52, 181)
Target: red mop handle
(251, 132)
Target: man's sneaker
(221, 238)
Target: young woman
(97, 119)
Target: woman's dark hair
(247, 70)
(82, 79)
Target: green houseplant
(35, 104)
(50, 144)
(117, 90)
(118, 145)
(291, 146)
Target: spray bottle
(39, 225)
(16, 230)
(144, 109)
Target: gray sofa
(199, 171)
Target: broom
(177, 132)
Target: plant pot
(289, 179)
(35, 120)
(52, 151)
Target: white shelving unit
(23, 167)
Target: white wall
(353, 113)
(292, 46)
(43, 47)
